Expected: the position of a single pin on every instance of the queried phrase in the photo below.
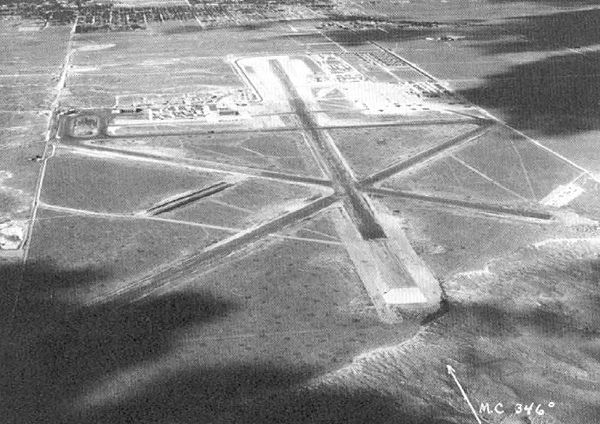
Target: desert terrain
(299, 211)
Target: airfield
(299, 212)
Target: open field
(503, 341)
(329, 301)
(95, 81)
(321, 227)
(147, 83)
(118, 248)
(247, 203)
(518, 164)
(29, 70)
(104, 185)
(284, 151)
(21, 164)
(241, 326)
(520, 172)
(95, 59)
(18, 129)
(277, 151)
(462, 9)
(90, 67)
(460, 62)
(372, 149)
(164, 41)
(18, 178)
(458, 241)
(448, 178)
(579, 147)
(35, 52)
(19, 98)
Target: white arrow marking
(452, 372)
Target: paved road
(343, 183)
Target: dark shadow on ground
(568, 29)
(244, 394)
(52, 349)
(489, 320)
(558, 311)
(59, 352)
(557, 95)
(54, 354)
(537, 350)
(532, 335)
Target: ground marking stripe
(524, 169)
(481, 174)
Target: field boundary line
(52, 119)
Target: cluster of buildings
(54, 12)
(104, 16)
(255, 4)
(428, 89)
(405, 97)
(85, 126)
(381, 57)
(108, 18)
(226, 13)
(372, 96)
(364, 22)
(98, 17)
(334, 66)
(187, 106)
